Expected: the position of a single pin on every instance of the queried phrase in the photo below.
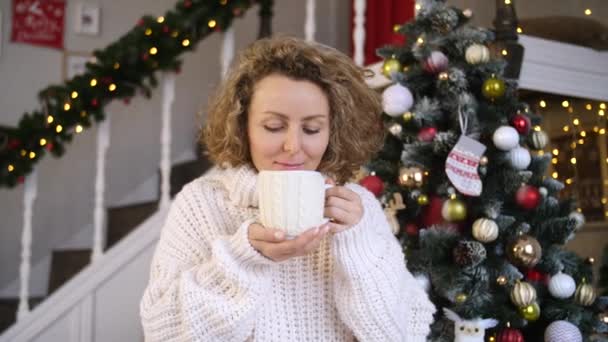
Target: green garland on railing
(121, 70)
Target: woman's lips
(289, 166)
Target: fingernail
(278, 235)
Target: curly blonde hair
(355, 125)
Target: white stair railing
(359, 32)
(103, 142)
(31, 192)
(165, 139)
(310, 24)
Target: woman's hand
(272, 243)
(343, 206)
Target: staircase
(66, 263)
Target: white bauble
(580, 219)
(543, 191)
(506, 138)
(563, 331)
(520, 158)
(562, 286)
(397, 100)
(485, 230)
(477, 54)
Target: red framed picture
(38, 22)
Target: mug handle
(327, 219)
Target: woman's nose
(292, 142)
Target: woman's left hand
(343, 206)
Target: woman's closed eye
(278, 128)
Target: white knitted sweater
(208, 284)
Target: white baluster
(359, 32)
(165, 140)
(310, 25)
(30, 193)
(227, 50)
(103, 142)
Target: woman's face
(288, 124)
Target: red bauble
(528, 197)
(510, 335)
(374, 184)
(13, 144)
(411, 229)
(427, 134)
(431, 214)
(94, 102)
(521, 123)
(533, 275)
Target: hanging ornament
(485, 230)
(468, 253)
(527, 197)
(501, 280)
(411, 177)
(443, 76)
(493, 88)
(422, 199)
(534, 275)
(469, 330)
(436, 63)
(519, 158)
(585, 294)
(530, 312)
(411, 229)
(373, 184)
(483, 161)
(396, 100)
(477, 54)
(427, 134)
(395, 129)
(462, 163)
(523, 294)
(579, 218)
(391, 209)
(510, 335)
(538, 140)
(461, 298)
(524, 251)
(506, 138)
(521, 123)
(562, 285)
(454, 210)
(390, 66)
(563, 331)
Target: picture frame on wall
(74, 63)
(87, 18)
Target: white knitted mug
(291, 200)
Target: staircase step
(184, 173)
(65, 264)
(8, 310)
(122, 220)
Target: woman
(217, 275)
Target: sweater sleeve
(203, 286)
(376, 296)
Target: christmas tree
(462, 179)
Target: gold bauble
(523, 294)
(530, 312)
(423, 199)
(524, 251)
(390, 66)
(485, 230)
(483, 161)
(501, 280)
(493, 88)
(408, 116)
(603, 317)
(396, 28)
(461, 298)
(411, 177)
(444, 76)
(454, 210)
(585, 294)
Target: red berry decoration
(427, 134)
(166, 29)
(187, 4)
(21, 180)
(411, 229)
(140, 22)
(237, 12)
(49, 146)
(94, 102)
(374, 184)
(533, 275)
(510, 335)
(528, 197)
(521, 123)
(13, 144)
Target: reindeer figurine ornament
(472, 330)
(390, 211)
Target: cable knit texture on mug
(207, 283)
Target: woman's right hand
(272, 243)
